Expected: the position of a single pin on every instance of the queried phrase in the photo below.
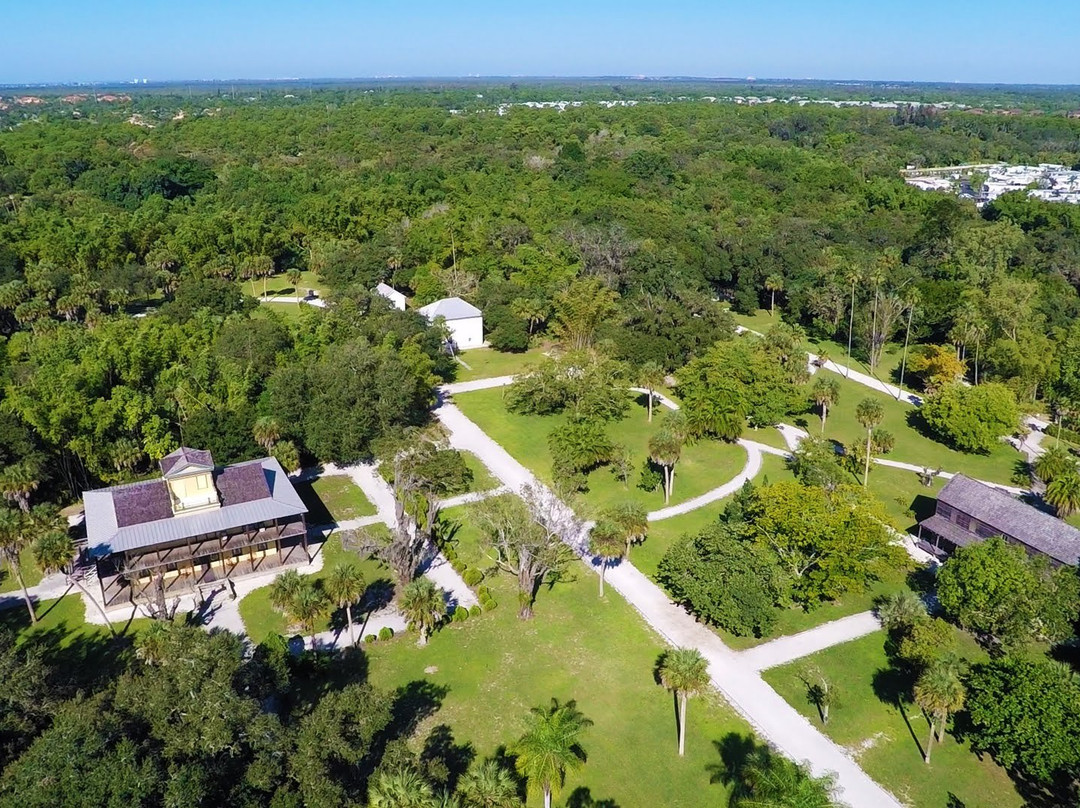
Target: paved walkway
(317, 302)
(772, 717)
(795, 646)
(749, 472)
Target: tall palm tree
(911, 299)
(900, 611)
(284, 588)
(650, 376)
(685, 672)
(489, 785)
(1054, 462)
(54, 551)
(631, 519)
(825, 393)
(1064, 493)
(854, 275)
(401, 788)
(266, 432)
(938, 692)
(606, 542)
(424, 607)
(14, 538)
(345, 586)
(294, 275)
(869, 414)
(18, 481)
(550, 747)
(665, 448)
(773, 284)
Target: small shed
(396, 298)
(465, 321)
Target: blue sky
(1035, 41)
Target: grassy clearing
(906, 500)
(290, 312)
(884, 734)
(911, 445)
(280, 285)
(490, 670)
(30, 571)
(261, 619)
(704, 465)
(482, 479)
(333, 498)
(487, 363)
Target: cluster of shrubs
(473, 578)
(487, 602)
(385, 633)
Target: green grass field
(493, 668)
(290, 312)
(261, 619)
(911, 445)
(333, 498)
(906, 500)
(281, 285)
(704, 465)
(482, 479)
(30, 571)
(487, 363)
(884, 735)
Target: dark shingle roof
(182, 458)
(242, 484)
(1011, 517)
(141, 502)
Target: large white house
(465, 321)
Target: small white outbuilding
(396, 298)
(465, 321)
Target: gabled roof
(389, 291)
(185, 459)
(138, 515)
(450, 308)
(1004, 513)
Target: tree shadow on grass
(413, 703)
(581, 797)
(443, 760)
(891, 686)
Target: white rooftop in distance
(450, 308)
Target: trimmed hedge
(475, 610)
(472, 576)
(461, 614)
(370, 638)
(386, 633)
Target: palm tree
(401, 788)
(685, 672)
(665, 448)
(294, 275)
(773, 284)
(345, 585)
(650, 376)
(424, 607)
(938, 692)
(18, 481)
(606, 542)
(550, 747)
(631, 519)
(532, 310)
(854, 275)
(286, 453)
(825, 393)
(869, 414)
(770, 781)
(1064, 493)
(284, 589)
(266, 432)
(308, 605)
(900, 611)
(13, 540)
(1054, 462)
(489, 785)
(54, 551)
(912, 300)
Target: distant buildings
(1048, 181)
(464, 320)
(968, 512)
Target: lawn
(884, 735)
(482, 479)
(333, 498)
(30, 571)
(487, 363)
(911, 445)
(288, 311)
(906, 500)
(280, 285)
(261, 619)
(704, 465)
(489, 671)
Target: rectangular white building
(463, 319)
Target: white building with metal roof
(463, 319)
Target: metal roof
(253, 492)
(450, 308)
(386, 290)
(1007, 515)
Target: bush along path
(740, 683)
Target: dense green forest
(670, 206)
